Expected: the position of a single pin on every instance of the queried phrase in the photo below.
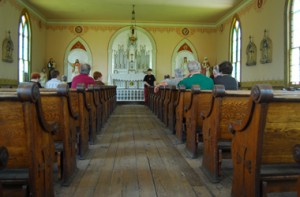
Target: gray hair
(193, 66)
(85, 69)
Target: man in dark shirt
(149, 80)
(224, 77)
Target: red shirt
(82, 78)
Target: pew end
(224, 107)
(262, 144)
(29, 140)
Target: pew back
(200, 102)
(263, 142)
(57, 107)
(182, 102)
(28, 138)
(225, 106)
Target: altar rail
(130, 94)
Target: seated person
(83, 77)
(35, 78)
(98, 78)
(224, 77)
(54, 81)
(168, 81)
(196, 78)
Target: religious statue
(43, 78)
(206, 69)
(7, 49)
(75, 68)
(183, 66)
(266, 49)
(251, 53)
(51, 65)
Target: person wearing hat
(149, 80)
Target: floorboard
(136, 156)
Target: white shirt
(52, 83)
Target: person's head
(85, 69)
(54, 74)
(97, 75)
(149, 71)
(64, 78)
(167, 77)
(77, 61)
(225, 67)
(35, 76)
(193, 66)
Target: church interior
(132, 149)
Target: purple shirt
(82, 78)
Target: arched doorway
(183, 52)
(128, 61)
(76, 50)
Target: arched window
(294, 42)
(24, 47)
(235, 48)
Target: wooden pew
(112, 98)
(28, 138)
(161, 101)
(200, 102)
(101, 108)
(166, 105)
(224, 107)
(57, 106)
(183, 99)
(92, 99)
(262, 144)
(151, 98)
(80, 104)
(3, 157)
(97, 100)
(296, 155)
(171, 109)
(104, 103)
(156, 99)
(3, 162)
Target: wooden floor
(136, 155)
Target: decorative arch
(144, 42)
(77, 49)
(183, 52)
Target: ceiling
(200, 12)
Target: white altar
(130, 59)
(130, 87)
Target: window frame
(236, 71)
(24, 53)
(289, 41)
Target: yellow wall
(51, 40)
(10, 12)
(254, 21)
(98, 37)
(9, 17)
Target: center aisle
(134, 156)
